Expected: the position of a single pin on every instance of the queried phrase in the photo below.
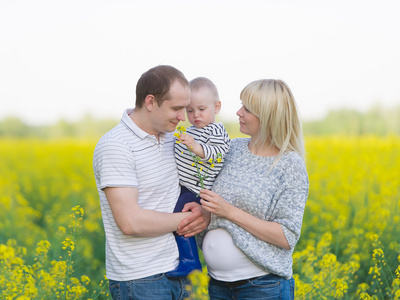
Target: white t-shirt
(126, 156)
(225, 261)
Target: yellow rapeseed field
(52, 240)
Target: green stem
(70, 259)
(384, 276)
(199, 175)
(99, 293)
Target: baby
(208, 140)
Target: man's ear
(150, 102)
(217, 107)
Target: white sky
(63, 59)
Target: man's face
(166, 117)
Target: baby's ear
(217, 107)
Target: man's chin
(172, 126)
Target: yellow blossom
(68, 243)
(353, 199)
(181, 129)
(78, 210)
(85, 279)
(43, 247)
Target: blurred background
(68, 69)
(64, 62)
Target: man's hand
(196, 222)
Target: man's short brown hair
(157, 82)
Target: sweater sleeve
(291, 202)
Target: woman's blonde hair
(273, 103)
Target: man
(138, 184)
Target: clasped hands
(201, 214)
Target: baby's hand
(189, 141)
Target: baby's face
(202, 108)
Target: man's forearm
(148, 223)
(131, 219)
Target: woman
(257, 202)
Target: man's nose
(181, 115)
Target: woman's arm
(270, 232)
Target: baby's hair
(203, 82)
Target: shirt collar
(126, 119)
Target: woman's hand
(215, 204)
(267, 231)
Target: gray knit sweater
(278, 196)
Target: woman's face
(249, 123)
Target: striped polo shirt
(214, 139)
(126, 156)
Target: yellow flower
(373, 237)
(24, 297)
(6, 252)
(68, 243)
(377, 252)
(78, 211)
(61, 230)
(85, 279)
(365, 296)
(43, 247)
(341, 287)
(181, 129)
